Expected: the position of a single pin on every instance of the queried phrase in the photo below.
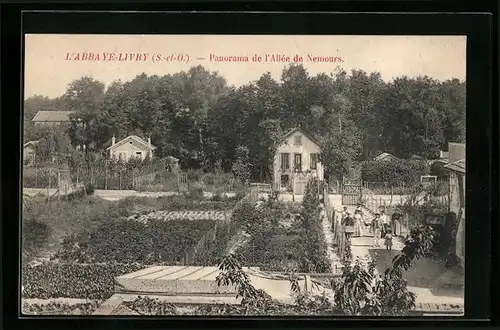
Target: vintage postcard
(255, 175)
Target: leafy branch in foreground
(361, 290)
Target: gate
(182, 182)
(300, 182)
(351, 191)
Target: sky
(53, 61)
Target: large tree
(85, 97)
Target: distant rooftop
(52, 116)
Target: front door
(285, 181)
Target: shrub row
(314, 257)
(394, 172)
(55, 308)
(127, 241)
(71, 280)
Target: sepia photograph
(243, 175)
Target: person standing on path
(341, 238)
(376, 226)
(344, 213)
(384, 222)
(388, 240)
(358, 220)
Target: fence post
(120, 180)
(77, 172)
(48, 188)
(105, 178)
(36, 177)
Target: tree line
(198, 117)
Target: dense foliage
(56, 308)
(72, 280)
(272, 246)
(394, 172)
(312, 240)
(196, 117)
(128, 241)
(360, 291)
(149, 306)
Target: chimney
(113, 140)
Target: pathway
(422, 278)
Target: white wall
(130, 150)
(306, 148)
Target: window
(297, 162)
(122, 155)
(285, 162)
(297, 140)
(138, 153)
(314, 161)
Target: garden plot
(184, 215)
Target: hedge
(128, 241)
(72, 280)
(394, 172)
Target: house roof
(172, 158)
(135, 138)
(298, 129)
(384, 155)
(458, 166)
(30, 143)
(52, 116)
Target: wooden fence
(107, 178)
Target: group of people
(380, 226)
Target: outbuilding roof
(458, 166)
(52, 116)
(135, 138)
(30, 143)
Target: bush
(394, 172)
(35, 235)
(148, 306)
(128, 241)
(89, 189)
(39, 177)
(186, 203)
(437, 169)
(61, 280)
(196, 191)
(313, 245)
(55, 308)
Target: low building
(385, 157)
(296, 156)
(29, 152)
(131, 147)
(52, 118)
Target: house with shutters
(297, 156)
(130, 147)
